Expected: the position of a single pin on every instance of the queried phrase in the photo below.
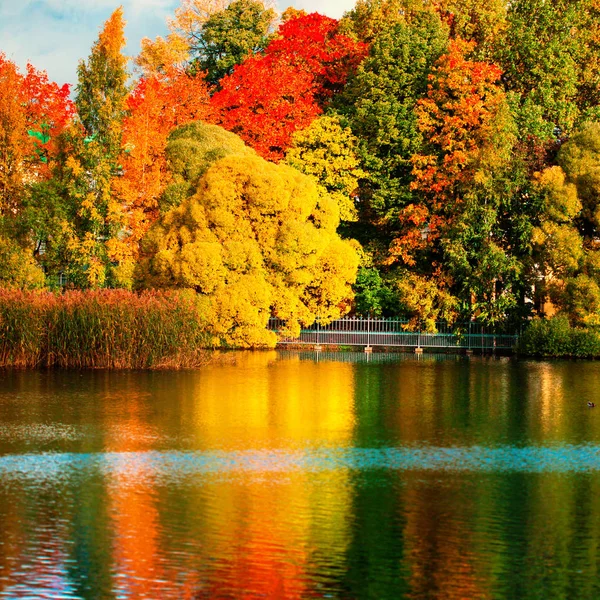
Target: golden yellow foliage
(423, 300)
(561, 202)
(559, 244)
(328, 151)
(112, 38)
(18, 269)
(158, 55)
(254, 239)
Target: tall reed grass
(101, 329)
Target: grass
(112, 329)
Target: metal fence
(395, 332)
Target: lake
(303, 475)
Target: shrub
(555, 337)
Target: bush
(555, 338)
(101, 329)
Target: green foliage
(372, 295)
(91, 160)
(230, 35)
(556, 338)
(369, 18)
(379, 103)
(105, 329)
(480, 22)
(327, 151)
(254, 239)
(102, 86)
(485, 275)
(191, 150)
(539, 54)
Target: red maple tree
(33, 113)
(269, 97)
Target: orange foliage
(457, 119)
(156, 106)
(461, 122)
(33, 112)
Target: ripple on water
(41, 433)
(180, 465)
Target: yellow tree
(328, 151)
(95, 153)
(253, 239)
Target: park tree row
(437, 160)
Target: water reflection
(276, 476)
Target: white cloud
(56, 34)
(331, 8)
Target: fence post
(368, 349)
(318, 347)
(418, 349)
(469, 351)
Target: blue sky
(55, 34)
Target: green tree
(379, 103)
(370, 18)
(481, 22)
(253, 239)
(539, 55)
(230, 35)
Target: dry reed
(101, 329)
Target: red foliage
(268, 97)
(264, 101)
(312, 42)
(48, 106)
(40, 106)
(33, 112)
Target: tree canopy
(254, 239)
(451, 147)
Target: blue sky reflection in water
(275, 475)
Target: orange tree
(158, 104)
(464, 175)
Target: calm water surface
(287, 475)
